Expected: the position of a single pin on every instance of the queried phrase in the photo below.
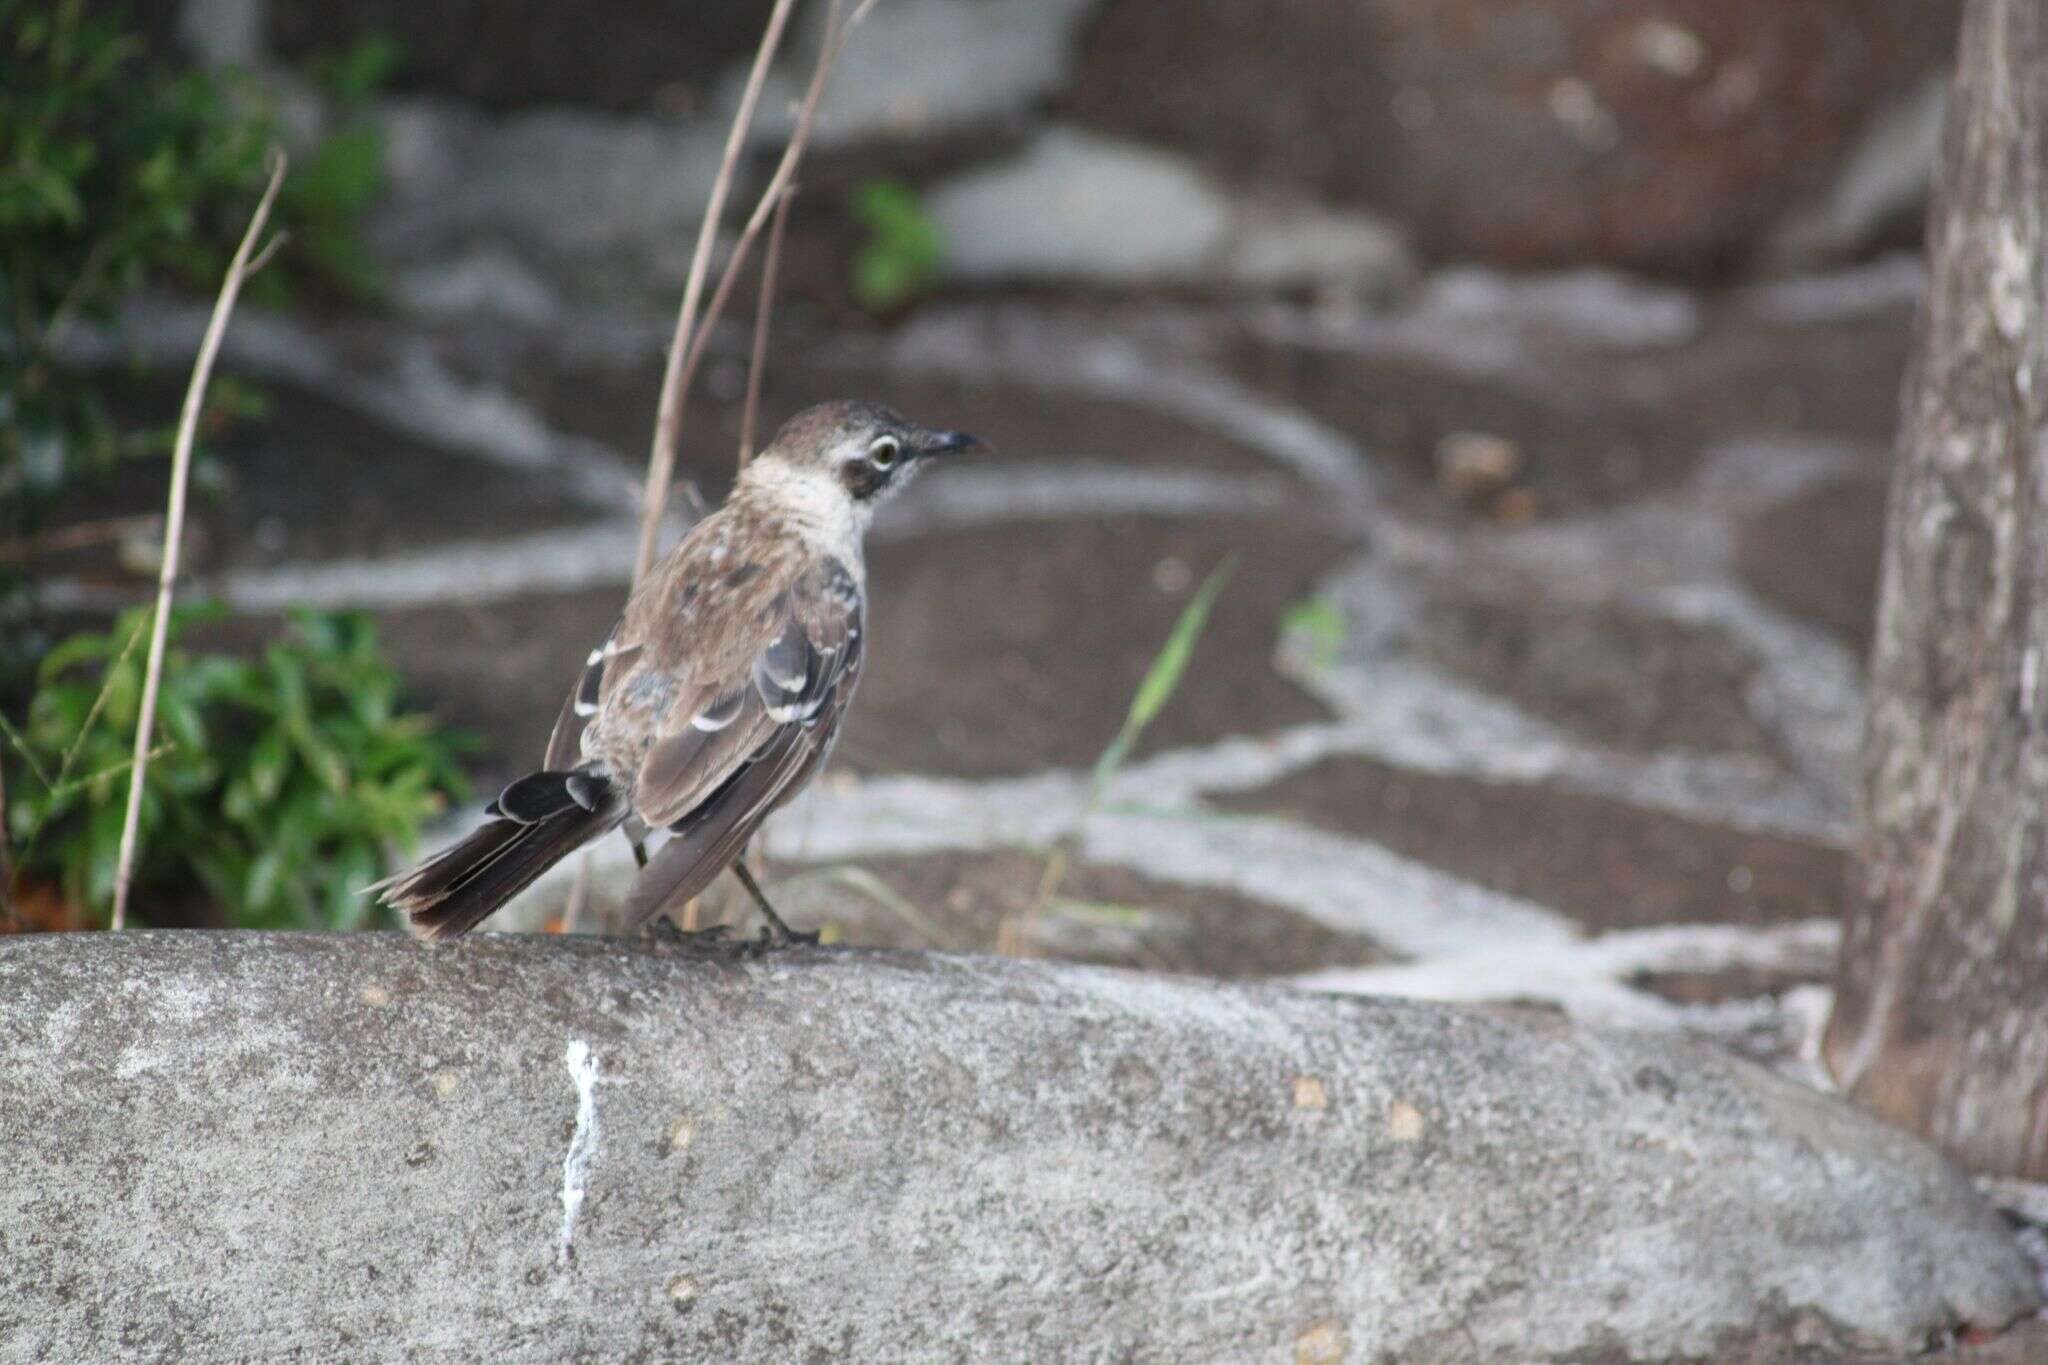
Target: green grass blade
(1163, 679)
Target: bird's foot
(714, 939)
(780, 935)
(768, 941)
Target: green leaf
(904, 249)
(364, 69)
(343, 175)
(1318, 627)
(1163, 678)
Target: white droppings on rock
(582, 1142)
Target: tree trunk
(1941, 1017)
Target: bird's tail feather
(462, 886)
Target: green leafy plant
(281, 786)
(904, 250)
(112, 170)
(331, 186)
(1161, 681)
(117, 170)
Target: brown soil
(616, 405)
(1816, 556)
(1608, 865)
(635, 55)
(1606, 675)
(311, 479)
(1580, 449)
(983, 902)
(1011, 649)
(501, 669)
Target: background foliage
(283, 784)
(116, 171)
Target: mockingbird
(716, 696)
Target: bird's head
(863, 450)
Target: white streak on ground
(582, 1142)
(1020, 347)
(987, 494)
(1494, 326)
(1348, 885)
(1405, 711)
(591, 556)
(1586, 977)
(398, 380)
(1895, 281)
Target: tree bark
(1941, 1016)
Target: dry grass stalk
(686, 348)
(675, 383)
(690, 347)
(239, 270)
(8, 923)
(79, 536)
(770, 260)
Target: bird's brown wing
(718, 774)
(565, 743)
(782, 703)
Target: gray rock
(920, 68)
(222, 33)
(265, 1145)
(558, 185)
(484, 283)
(1077, 207)
(1884, 180)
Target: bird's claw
(711, 938)
(772, 937)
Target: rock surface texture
(537, 1149)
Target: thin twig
(81, 285)
(79, 536)
(668, 422)
(60, 786)
(99, 704)
(181, 469)
(762, 310)
(836, 34)
(28, 755)
(579, 894)
(8, 922)
(111, 770)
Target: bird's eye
(884, 451)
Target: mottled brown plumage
(718, 694)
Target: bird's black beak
(948, 443)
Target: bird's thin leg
(662, 926)
(782, 932)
